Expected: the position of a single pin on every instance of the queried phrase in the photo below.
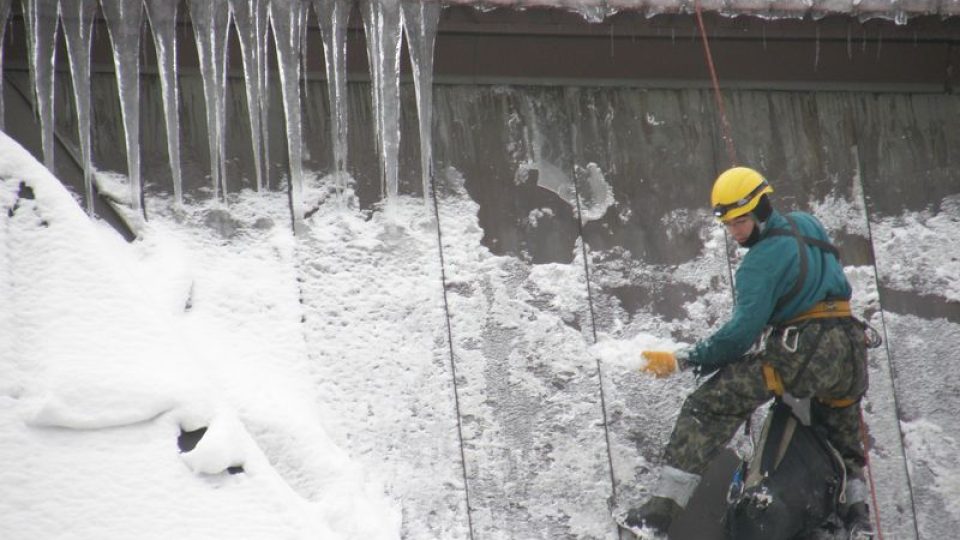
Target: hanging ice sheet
(124, 18)
(211, 19)
(247, 19)
(285, 19)
(162, 15)
(78, 30)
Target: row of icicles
(384, 22)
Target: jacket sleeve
(755, 294)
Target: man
(791, 292)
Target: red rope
(866, 460)
(727, 132)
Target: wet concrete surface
(924, 306)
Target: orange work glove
(661, 363)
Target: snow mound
(111, 351)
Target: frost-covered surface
(838, 214)
(935, 466)
(924, 355)
(529, 390)
(916, 254)
(378, 355)
(920, 250)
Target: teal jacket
(768, 272)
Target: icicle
(162, 15)
(78, 31)
(211, 20)
(816, 48)
(4, 15)
(285, 21)
(849, 42)
(381, 23)
(304, 69)
(124, 18)
(28, 17)
(244, 18)
(261, 24)
(420, 18)
(42, 19)
(613, 41)
(371, 24)
(333, 16)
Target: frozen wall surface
(425, 300)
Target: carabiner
(790, 339)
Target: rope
(890, 363)
(593, 326)
(866, 460)
(453, 365)
(727, 135)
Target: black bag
(791, 486)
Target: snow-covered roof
(597, 10)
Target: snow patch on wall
(935, 456)
(921, 240)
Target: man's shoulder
(799, 215)
(807, 222)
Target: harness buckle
(790, 339)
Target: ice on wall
(935, 458)
(596, 195)
(529, 389)
(923, 356)
(921, 252)
(378, 354)
(840, 212)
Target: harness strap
(838, 403)
(781, 423)
(828, 309)
(772, 379)
(802, 242)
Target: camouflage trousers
(826, 362)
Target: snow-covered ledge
(598, 10)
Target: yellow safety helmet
(737, 192)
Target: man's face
(740, 228)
